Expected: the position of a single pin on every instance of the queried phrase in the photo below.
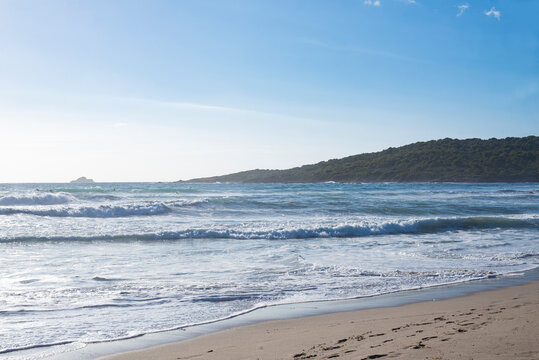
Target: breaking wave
(237, 232)
(353, 230)
(102, 211)
(36, 199)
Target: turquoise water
(86, 263)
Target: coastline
(170, 290)
(491, 324)
(281, 312)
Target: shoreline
(491, 324)
(280, 312)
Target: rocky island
(82, 180)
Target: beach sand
(497, 324)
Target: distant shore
(494, 324)
(512, 160)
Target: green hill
(446, 160)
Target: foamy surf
(279, 231)
(35, 199)
(101, 211)
(106, 260)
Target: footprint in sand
(331, 348)
(375, 356)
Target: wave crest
(233, 232)
(36, 199)
(102, 211)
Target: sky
(167, 90)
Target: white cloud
(119, 124)
(411, 2)
(372, 2)
(462, 8)
(493, 12)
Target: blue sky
(167, 90)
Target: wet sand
(496, 324)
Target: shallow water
(95, 262)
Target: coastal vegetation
(448, 160)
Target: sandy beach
(496, 324)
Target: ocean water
(94, 262)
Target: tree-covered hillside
(446, 160)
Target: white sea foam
(36, 199)
(360, 229)
(275, 231)
(101, 211)
(127, 259)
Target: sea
(89, 263)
